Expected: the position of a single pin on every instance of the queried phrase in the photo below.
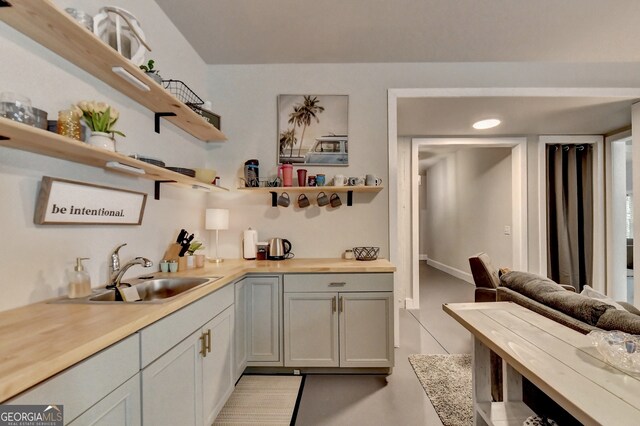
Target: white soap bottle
(79, 280)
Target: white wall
(33, 258)
(468, 204)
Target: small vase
(102, 140)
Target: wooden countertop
(42, 339)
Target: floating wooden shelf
(56, 30)
(28, 138)
(274, 190)
(315, 189)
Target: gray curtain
(570, 214)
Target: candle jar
(69, 124)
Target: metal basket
(366, 253)
(181, 91)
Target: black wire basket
(366, 253)
(181, 91)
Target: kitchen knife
(181, 236)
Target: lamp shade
(217, 219)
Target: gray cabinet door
(120, 407)
(366, 329)
(172, 385)
(218, 365)
(310, 330)
(240, 329)
(263, 320)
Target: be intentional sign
(67, 202)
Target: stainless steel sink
(151, 291)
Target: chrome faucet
(114, 268)
(115, 282)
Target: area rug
(447, 381)
(261, 400)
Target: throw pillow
(595, 294)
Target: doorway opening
(620, 279)
(515, 228)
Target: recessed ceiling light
(486, 124)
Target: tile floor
(398, 399)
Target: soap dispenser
(79, 280)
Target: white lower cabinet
(120, 407)
(240, 330)
(338, 320)
(189, 383)
(263, 320)
(103, 389)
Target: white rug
(447, 381)
(261, 400)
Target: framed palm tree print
(313, 130)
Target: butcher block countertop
(42, 339)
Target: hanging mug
(284, 200)
(303, 201)
(335, 200)
(322, 199)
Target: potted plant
(100, 117)
(151, 72)
(198, 258)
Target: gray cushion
(614, 319)
(549, 293)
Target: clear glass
(69, 124)
(16, 107)
(619, 349)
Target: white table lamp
(217, 219)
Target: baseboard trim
(423, 257)
(465, 276)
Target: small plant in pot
(151, 72)
(198, 259)
(100, 117)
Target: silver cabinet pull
(341, 304)
(333, 304)
(337, 284)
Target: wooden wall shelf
(52, 27)
(28, 138)
(312, 190)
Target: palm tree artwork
(302, 116)
(288, 140)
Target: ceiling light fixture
(486, 124)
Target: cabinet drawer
(81, 386)
(162, 335)
(338, 282)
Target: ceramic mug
(311, 180)
(352, 181)
(284, 200)
(164, 266)
(303, 201)
(335, 200)
(320, 179)
(322, 199)
(373, 180)
(338, 180)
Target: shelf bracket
(349, 198)
(157, 117)
(4, 138)
(4, 3)
(156, 194)
(274, 198)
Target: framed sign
(62, 201)
(313, 130)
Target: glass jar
(69, 124)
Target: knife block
(173, 252)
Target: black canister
(251, 173)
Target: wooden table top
(558, 360)
(42, 339)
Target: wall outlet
(507, 230)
